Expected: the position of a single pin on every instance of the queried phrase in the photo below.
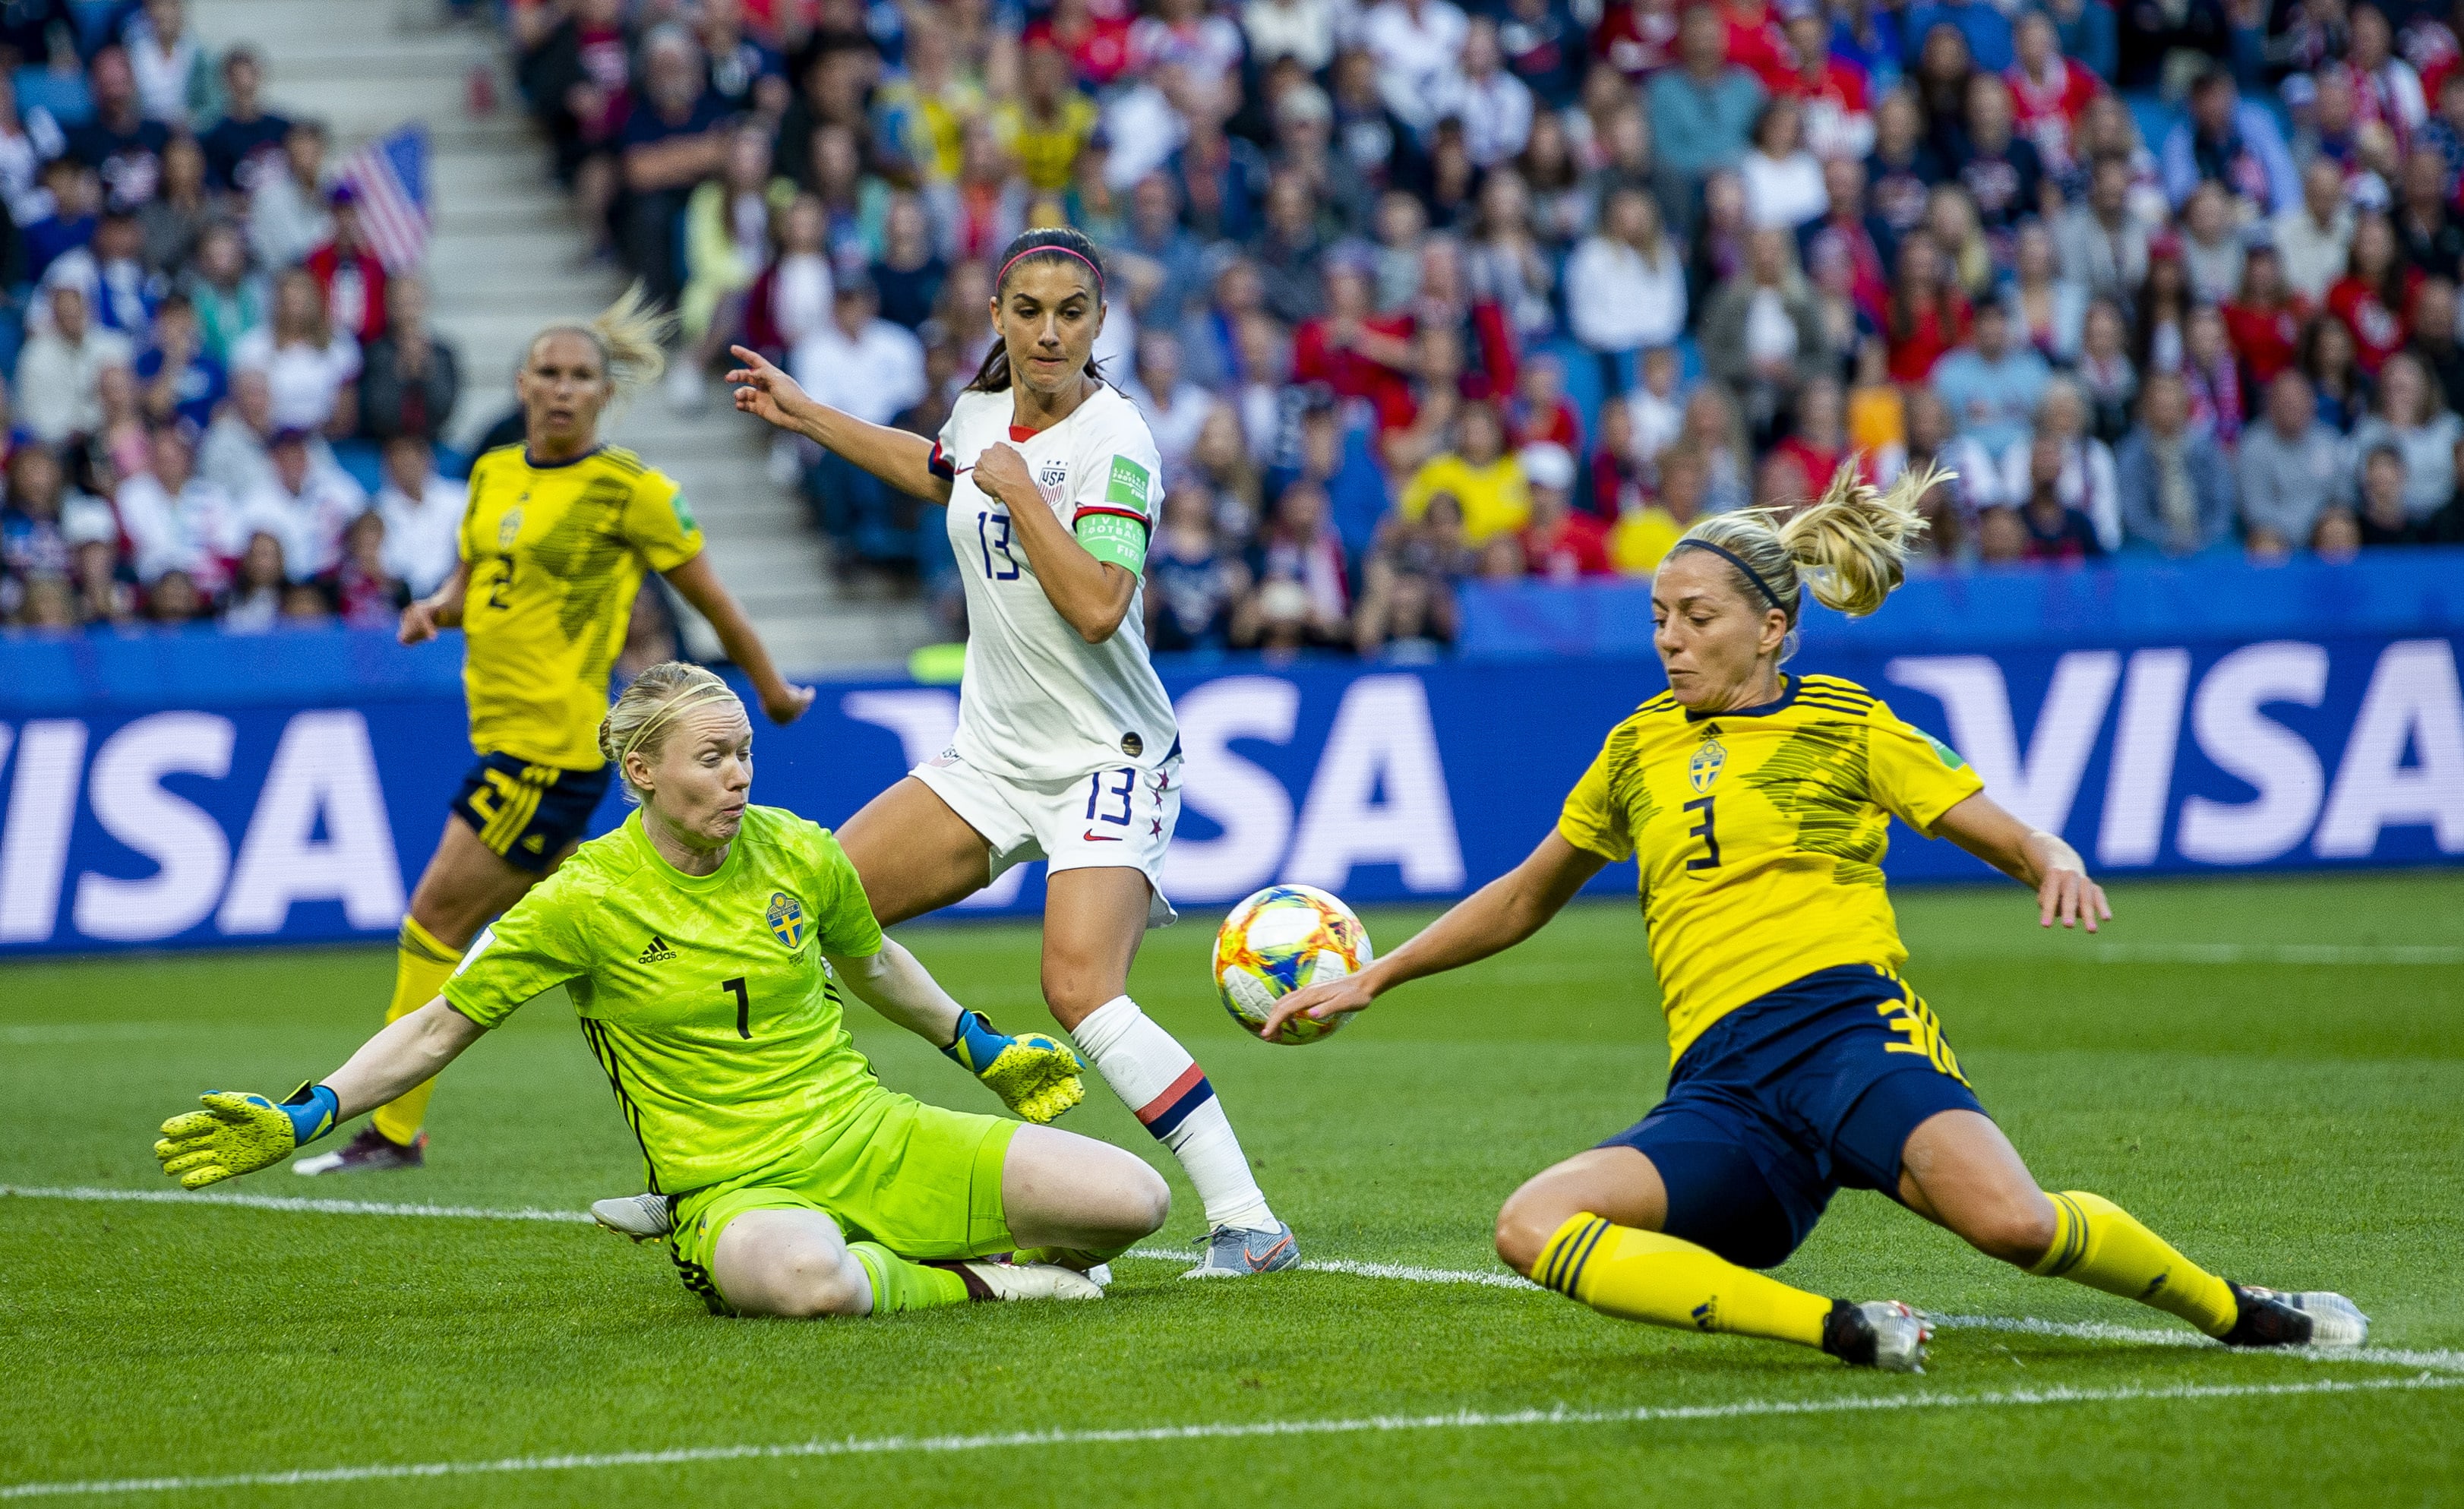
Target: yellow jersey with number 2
(1759, 834)
(556, 553)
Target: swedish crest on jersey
(1709, 757)
(788, 921)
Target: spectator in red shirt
(1560, 544)
(1927, 315)
(1539, 411)
(2048, 91)
(1755, 43)
(1834, 91)
(1636, 37)
(1819, 443)
(1355, 353)
(2375, 286)
(349, 273)
(2264, 321)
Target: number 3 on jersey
(992, 533)
(1708, 831)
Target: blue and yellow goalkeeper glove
(1034, 1075)
(239, 1133)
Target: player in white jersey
(1067, 749)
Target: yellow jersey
(557, 554)
(1760, 835)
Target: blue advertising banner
(263, 811)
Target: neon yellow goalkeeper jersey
(703, 997)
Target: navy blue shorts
(527, 814)
(1810, 1089)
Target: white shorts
(1118, 817)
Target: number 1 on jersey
(744, 1006)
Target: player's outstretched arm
(893, 455)
(1490, 920)
(699, 585)
(2036, 859)
(240, 1132)
(441, 609)
(1034, 1075)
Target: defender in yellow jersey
(556, 541)
(704, 945)
(1756, 805)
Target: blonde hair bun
(1848, 547)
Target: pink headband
(1002, 276)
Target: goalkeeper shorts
(922, 1181)
(1790, 1097)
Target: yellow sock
(898, 1284)
(421, 967)
(2099, 1244)
(1665, 1281)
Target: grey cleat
(2310, 1317)
(1882, 1334)
(1232, 1252)
(643, 1218)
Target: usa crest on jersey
(786, 917)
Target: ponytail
(1849, 547)
(632, 335)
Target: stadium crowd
(1409, 293)
(1412, 293)
(222, 405)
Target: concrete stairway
(502, 262)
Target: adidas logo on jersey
(658, 953)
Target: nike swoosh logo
(1094, 836)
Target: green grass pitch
(2268, 1072)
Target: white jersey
(1039, 703)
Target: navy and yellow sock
(1666, 1281)
(2099, 1244)
(422, 965)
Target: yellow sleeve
(1592, 820)
(470, 510)
(1913, 775)
(659, 523)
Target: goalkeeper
(693, 942)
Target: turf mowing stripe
(1407, 1273)
(276, 1202)
(1461, 1420)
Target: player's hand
(1036, 1075)
(239, 1132)
(418, 622)
(788, 703)
(1321, 1003)
(764, 391)
(1000, 472)
(2068, 896)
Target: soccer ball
(1278, 940)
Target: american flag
(390, 176)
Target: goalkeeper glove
(239, 1133)
(1034, 1075)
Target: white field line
(1406, 1273)
(1461, 1420)
(2432, 953)
(276, 1202)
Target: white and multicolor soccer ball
(1281, 939)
